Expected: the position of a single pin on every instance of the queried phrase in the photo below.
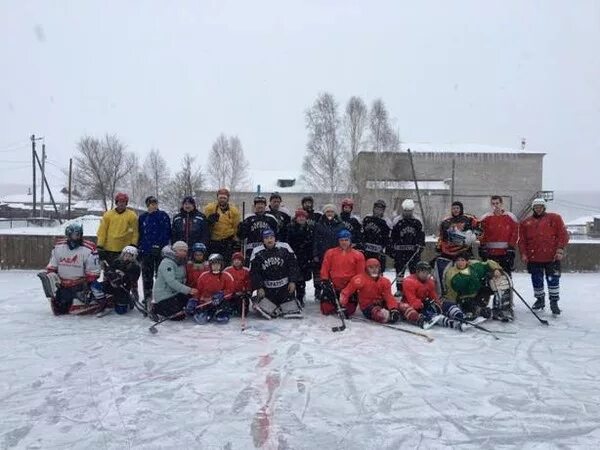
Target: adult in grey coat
(170, 293)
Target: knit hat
(275, 195)
(329, 206)
(237, 255)
(408, 205)
(180, 245)
(538, 202)
(188, 199)
(301, 212)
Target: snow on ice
(85, 382)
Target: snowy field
(90, 383)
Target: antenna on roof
(523, 143)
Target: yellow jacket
(228, 222)
(118, 230)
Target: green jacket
(171, 277)
(466, 283)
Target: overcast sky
(173, 75)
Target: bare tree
(138, 183)
(323, 162)
(355, 122)
(382, 137)
(187, 182)
(100, 166)
(227, 165)
(155, 168)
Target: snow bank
(90, 227)
(86, 383)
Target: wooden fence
(33, 252)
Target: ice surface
(84, 382)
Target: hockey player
(154, 227)
(242, 282)
(466, 284)
(325, 237)
(170, 293)
(300, 239)
(376, 233)
(274, 272)
(251, 228)
(308, 204)
(407, 242)
(118, 228)
(351, 222)
(215, 291)
(282, 217)
(224, 219)
(189, 225)
(71, 278)
(374, 295)
(121, 281)
(500, 235)
(542, 241)
(340, 265)
(197, 264)
(424, 308)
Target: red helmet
(373, 262)
(121, 197)
(237, 255)
(348, 202)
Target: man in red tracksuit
(423, 305)
(374, 295)
(242, 283)
(542, 241)
(340, 264)
(215, 290)
(500, 235)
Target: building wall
(515, 176)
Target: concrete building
(479, 172)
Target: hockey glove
(394, 316)
(260, 293)
(217, 298)
(156, 251)
(328, 293)
(483, 253)
(510, 258)
(291, 287)
(190, 308)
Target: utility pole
(43, 177)
(70, 184)
(452, 181)
(33, 166)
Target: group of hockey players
(213, 264)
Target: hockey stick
(401, 274)
(339, 310)
(153, 329)
(243, 320)
(545, 322)
(397, 328)
(476, 325)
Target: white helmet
(538, 202)
(130, 250)
(408, 205)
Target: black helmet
(423, 266)
(260, 199)
(379, 204)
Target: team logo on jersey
(260, 225)
(69, 260)
(272, 261)
(372, 227)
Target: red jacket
(500, 232)
(541, 236)
(371, 292)
(241, 278)
(414, 291)
(210, 283)
(193, 271)
(340, 266)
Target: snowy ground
(84, 382)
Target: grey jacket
(171, 277)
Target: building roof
(430, 147)
(581, 221)
(276, 180)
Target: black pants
(278, 295)
(225, 247)
(505, 261)
(401, 258)
(150, 262)
(65, 296)
(171, 305)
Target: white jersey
(80, 262)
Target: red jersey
(340, 266)
(415, 291)
(210, 283)
(500, 232)
(371, 292)
(241, 278)
(541, 236)
(193, 271)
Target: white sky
(173, 75)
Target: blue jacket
(325, 235)
(155, 231)
(190, 227)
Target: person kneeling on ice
(197, 265)
(340, 265)
(170, 293)
(374, 295)
(242, 287)
(121, 280)
(71, 277)
(466, 284)
(274, 272)
(424, 307)
(215, 290)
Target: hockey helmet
(408, 205)
(379, 204)
(348, 202)
(130, 250)
(216, 258)
(121, 197)
(344, 234)
(423, 266)
(199, 247)
(260, 199)
(73, 228)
